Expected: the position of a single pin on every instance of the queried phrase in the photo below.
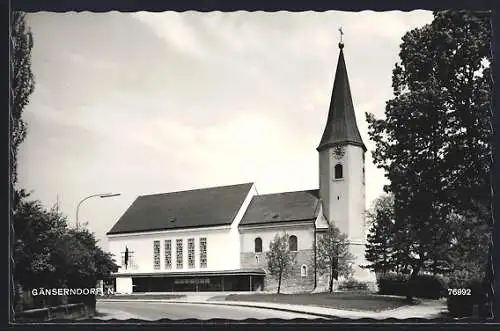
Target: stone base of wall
(291, 284)
(295, 282)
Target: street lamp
(100, 195)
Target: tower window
(258, 245)
(338, 171)
(292, 243)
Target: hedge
(424, 286)
(392, 284)
(353, 285)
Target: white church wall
(233, 251)
(355, 200)
(220, 249)
(344, 198)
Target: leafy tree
(468, 262)
(381, 237)
(22, 83)
(280, 260)
(435, 141)
(334, 258)
(38, 232)
(49, 254)
(21, 86)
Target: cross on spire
(341, 44)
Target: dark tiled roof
(341, 127)
(185, 209)
(282, 207)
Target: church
(215, 239)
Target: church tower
(342, 169)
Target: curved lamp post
(100, 195)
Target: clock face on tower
(338, 152)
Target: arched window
(303, 271)
(258, 245)
(292, 243)
(338, 171)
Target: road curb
(215, 303)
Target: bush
(463, 305)
(392, 284)
(353, 285)
(424, 286)
(429, 287)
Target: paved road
(156, 310)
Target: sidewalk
(425, 310)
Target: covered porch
(202, 281)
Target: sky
(143, 103)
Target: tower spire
(341, 127)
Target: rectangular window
(191, 253)
(168, 254)
(203, 252)
(179, 253)
(156, 253)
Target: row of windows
(292, 244)
(179, 256)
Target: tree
(468, 263)
(49, 254)
(21, 86)
(22, 83)
(280, 260)
(38, 232)
(381, 237)
(334, 258)
(435, 141)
